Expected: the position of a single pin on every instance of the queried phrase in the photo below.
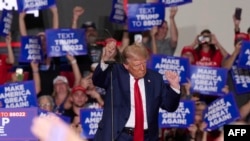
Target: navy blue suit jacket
(158, 94)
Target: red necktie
(139, 120)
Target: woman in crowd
(208, 51)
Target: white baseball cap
(60, 78)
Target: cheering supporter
(46, 102)
(231, 64)
(209, 51)
(95, 99)
(79, 98)
(6, 61)
(62, 89)
(50, 67)
(158, 43)
(91, 35)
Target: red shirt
(4, 69)
(209, 60)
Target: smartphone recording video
(19, 74)
(204, 39)
(138, 38)
(237, 13)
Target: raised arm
(101, 76)
(77, 12)
(22, 26)
(125, 38)
(173, 27)
(228, 62)
(55, 18)
(219, 46)
(75, 69)
(236, 25)
(153, 32)
(10, 59)
(36, 76)
(245, 110)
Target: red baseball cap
(78, 88)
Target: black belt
(130, 131)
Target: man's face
(136, 66)
(79, 99)
(91, 34)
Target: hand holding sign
(173, 79)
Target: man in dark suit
(154, 94)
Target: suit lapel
(148, 93)
(125, 78)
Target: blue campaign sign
(208, 80)
(118, 14)
(64, 41)
(28, 5)
(222, 111)
(161, 63)
(183, 117)
(89, 119)
(31, 49)
(5, 22)
(169, 3)
(244, 56)
(16, 95)
(241, 78)
(15, 124)
(142, 17)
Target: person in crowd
(61, 87)
(79, 99)
(188, 53)
(209, 51)
(46, 103)
(95, 99)
(131, 120)
(158, 43)
(91, 36)
(6, 61)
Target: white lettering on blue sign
(93, 120)
(12, 4)
(34, 3)
(4, 122)
(206, 80)
(119, 11)
(218, 112)
(15, 96)
(177, 117)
